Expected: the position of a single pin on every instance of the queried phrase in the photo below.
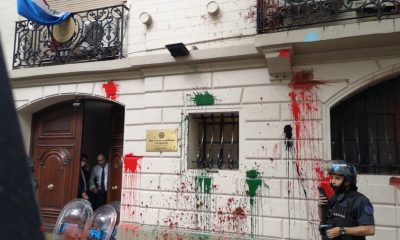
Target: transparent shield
(117, 206)
(72, 220)
(101, 225)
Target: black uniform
(350, 209)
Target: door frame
(54, 104)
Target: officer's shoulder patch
(369, 210)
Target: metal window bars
(282, 15)
(217, 145)
(365, 129)
(98, 36)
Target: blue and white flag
(39, 12)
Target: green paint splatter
(203, 99)
(203, 181)
(253, 182)
(203, 187)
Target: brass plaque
(161, 140)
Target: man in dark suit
(98, 181)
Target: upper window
(365, 129)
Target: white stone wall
(8, 13)
(175, 21)
(162, 192)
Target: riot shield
(72, 220)
(101, 224)
(117, 206)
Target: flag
(39, 12)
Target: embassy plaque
(161, 140)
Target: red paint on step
(395, 181)
(111, 89)
(131, 162)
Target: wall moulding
(137, 67)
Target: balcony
(282, 15)
(98, 35)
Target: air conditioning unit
(101, 38)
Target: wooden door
(56, 148)
(115, 155)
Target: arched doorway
(60, 134)
(365, 129)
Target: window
(213, 141)
(365, 129)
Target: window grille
(365, 129)
(213, 141)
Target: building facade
(268, 92)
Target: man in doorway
(98, 181)
(349, 215)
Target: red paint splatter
(325, 182)
(111, 89)
(131, 162)
(395, 181)
(128, 229)
(275, 152)
(239, 213)
(304, 105)
(284, 53)
(251, 14)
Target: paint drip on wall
(287, 130)
(304, 106)
(203, 186)
(111, 89)
(129, 211)
(254, 183)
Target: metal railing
(281, 15)
(98, 36)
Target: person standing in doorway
(84, 177)
(98, 181)
(349, 215)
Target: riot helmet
(340, 167)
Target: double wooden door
(56, 151)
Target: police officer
(349, 215)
